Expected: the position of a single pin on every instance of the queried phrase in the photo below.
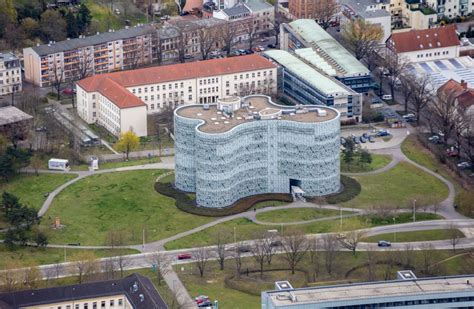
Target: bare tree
(109, 267)
(389, 257)
(422, 95)
(237, 256)
(453, 235)
(259, 253)
(407, 256)
(228, 35)
(221, 239)
(372, 259)
(9, 278)
(84, 68)
(294, 248)
(444, 110)
(250, 29)
(351, 240)
(202, 256)
(427, 258)
(181, 46)
(324, 12)
(270, 242)
(208, 39)
(361, 36)
(314, 256)
(396, 67)
(467, 141)
(161, 265)
(84, 265)
(329, 251)
(407, 90)
(122, 261)
(57, 78)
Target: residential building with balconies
(10, 74)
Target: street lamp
(394, 231)
(340, 216)
(235, 239)
(414, 209)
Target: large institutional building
(132, 292)
(120, 101)
(242, 147)
(407, 292)
(10, 74)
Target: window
(227, 83)
(151, 88)
(253, 74)
(190, 97)
(102, 304)
(152, 97)
(182, 85)
(139, 90)
(85, 306)
(190, 89)
(145, 89)
(93, 114)
(77, 307)
(153, 106)
(158, 88)
(175, 85)
(112, 303)
(170, 86)
(200, 82)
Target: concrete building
(101, 53)
(407, 292)
(14, 123)
(132, 292)
(243, 147)
(120, 101)
(463, 97)
(451, 8)
(373, 12)
(10, 74)
(308, 86)
(441, 71)
(425, 45)
(306, 33)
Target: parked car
(356, 140)
(464, 165)
(382, 132)
(261, 48)
(184, 256)
(362, 139)
(365, 135)
(271, 46)
(371, 139)
(276, 243)
(408, 116)
(387, 97)
(188, 57)
(244, 249)
(383, 243)
(343, 141)
(203, 301)
(453, 153)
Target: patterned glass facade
(256, 157)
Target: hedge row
(186, 204)
(350, 189)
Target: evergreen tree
(9, 201)
(72, 27)
(84, 18)
(365, 157)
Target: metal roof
(257, 5)
(237, 10)
(310, 56)
(324, 84)
(328, 47)
(92, 40)
(11, 114)
(7, 56)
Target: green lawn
(31, 188)
(246, 229)
(42, 256)
(297, 214)
(103, 17)
(378, 161)
(131, 162)
(120, 201)
(347, 268)
(427, 235)
(398, 187)
(265, 204)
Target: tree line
(24, 24)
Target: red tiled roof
(112, 85)
(464, 96)
(415, 40)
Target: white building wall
(134, 119)
(385, 22)
(431, 54)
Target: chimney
(463, 84)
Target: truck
(58, 164)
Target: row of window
(94, 305)
(7, 72)
(446, 52)
(152, 88)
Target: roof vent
(435, 34)
(417, 36)
(142, 297)
(135, 287)
(421, 45)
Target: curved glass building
(242, 147)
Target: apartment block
(77, 58)
(10, 74)
(120, 101)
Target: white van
(58, 164)
(387, 97)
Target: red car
(184, 256)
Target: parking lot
(396, 137)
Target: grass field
(298, 214)
(222, 285)
(265, 204)
(378, 161)
(412, 236)
(398, 187)
(42, 256)
(120, 201)
(246, 229)
(131, 162)
(31, 188)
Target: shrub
(351, 188)
(187, 204)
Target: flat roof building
(306, 33)
(120, 101)
(308, 85)
(134, 291)
(14, 123)
(242, 147)
(441, 292)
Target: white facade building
(10, 74)
(425, 45)
(120, 101)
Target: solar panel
(441, 65)
(426, 67)
(456, 64)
